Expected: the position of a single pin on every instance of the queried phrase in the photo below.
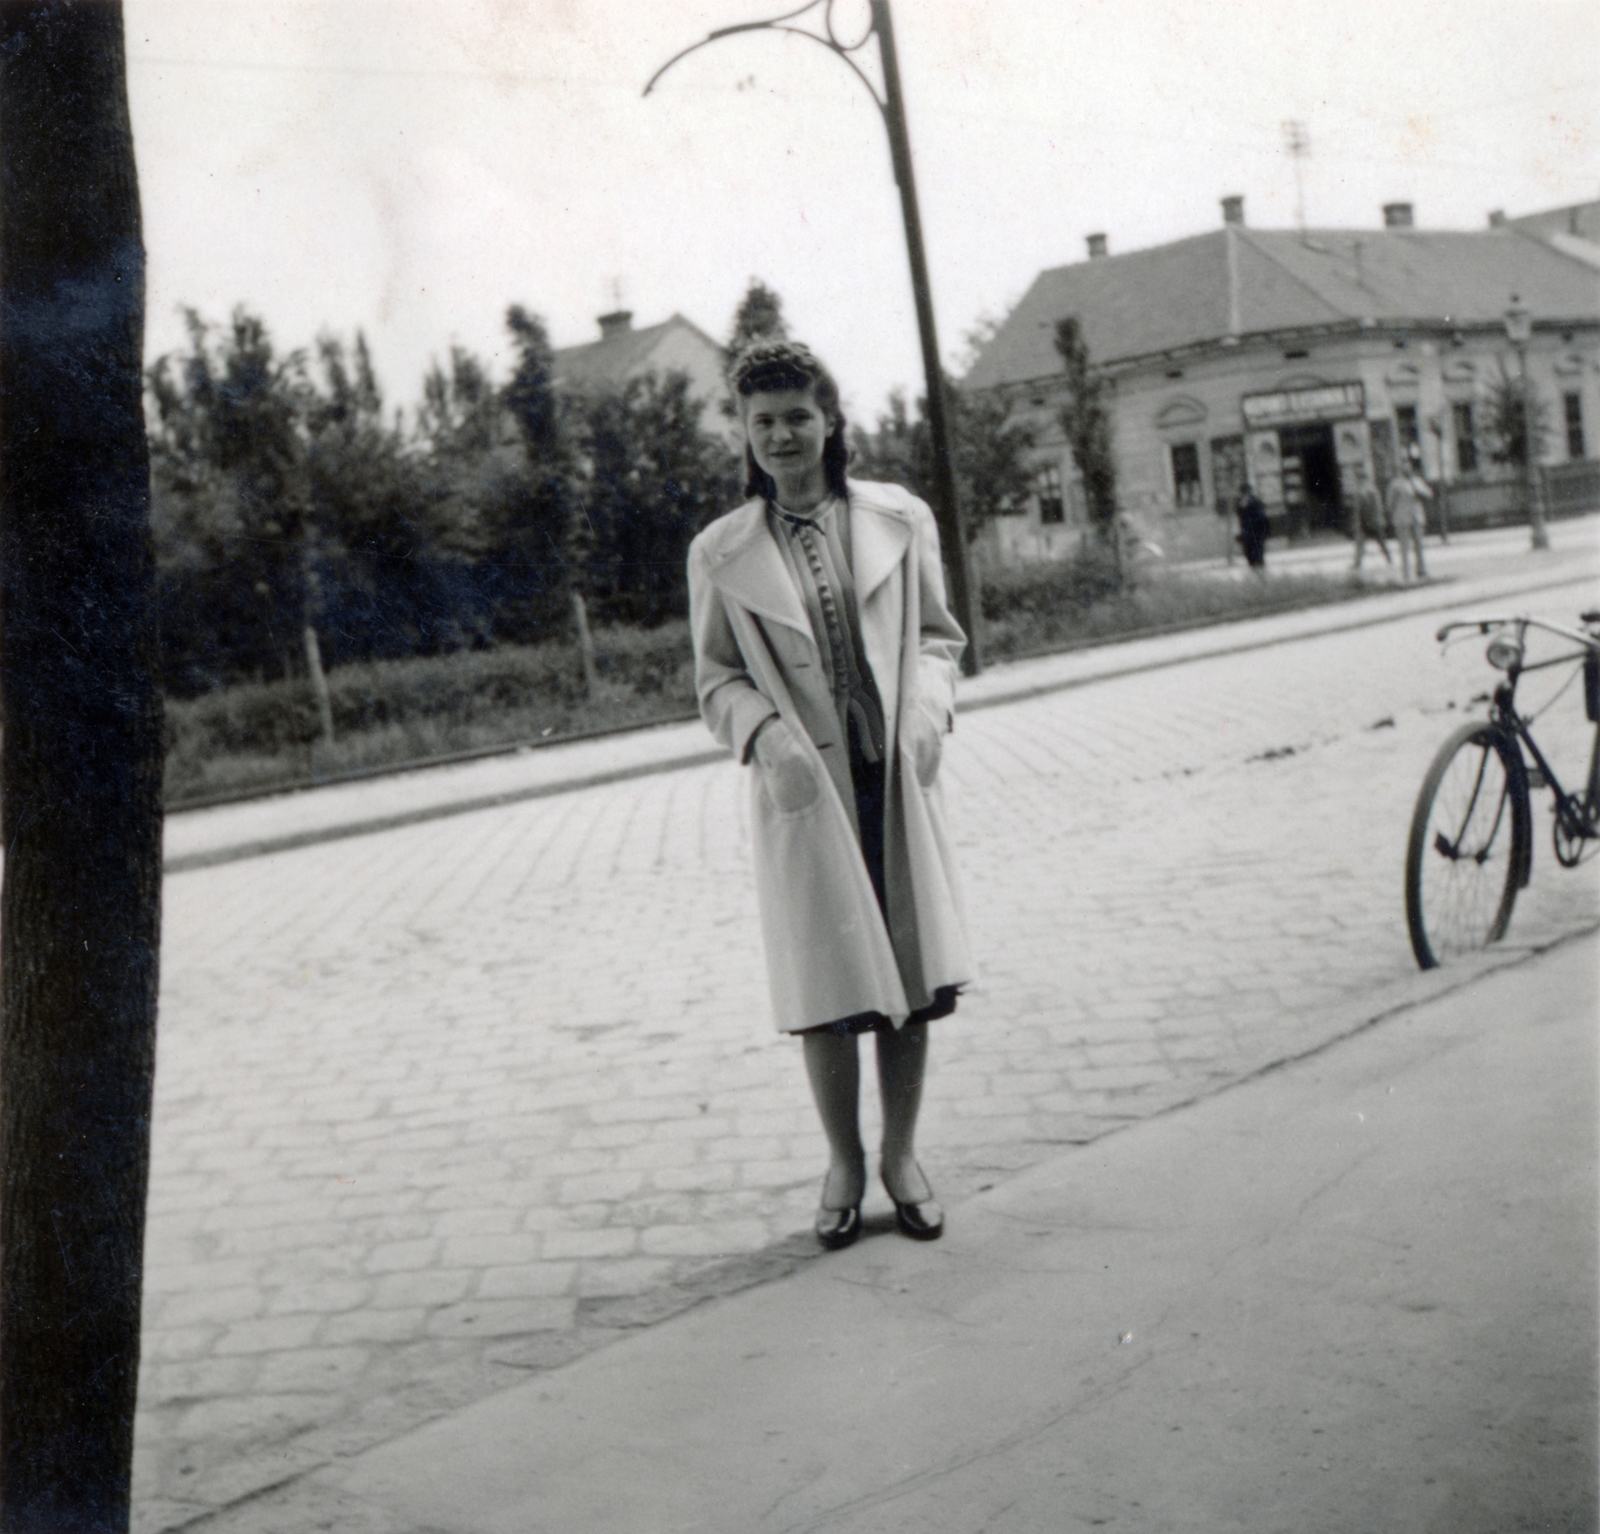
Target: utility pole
(80, 770)
(891, 107)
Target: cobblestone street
(465, 1098)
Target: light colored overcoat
(830, 953)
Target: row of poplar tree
(290, 507)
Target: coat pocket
(789, 778)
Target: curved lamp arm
(831, 42)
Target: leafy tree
(993, 475)
(759, 315)
(530, 498)
(232, 503)
(1086, 420)
(1517, 420)
(653, 479)
(80, 774)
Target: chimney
(1233, 211)
(1097, 246)
(1397, 215)
(618, 323)
(1497, 219)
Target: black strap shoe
(837, 1228)
(923, 1220)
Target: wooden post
(580, 616)
(80, 770)
(319, 682)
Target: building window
(1572, 406)
(1186, 487)
(1405, 420)
(1466, 438)
(1047, 486)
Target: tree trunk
(80, 771)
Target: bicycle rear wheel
(1469, 847)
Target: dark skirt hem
(942, 1005)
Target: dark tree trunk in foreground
(80, 772)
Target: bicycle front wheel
(1469, 846)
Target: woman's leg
(833, 1063)
(902, 1061)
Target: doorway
(1312, 493)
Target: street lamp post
(891, 107)
(1519, 331)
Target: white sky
(411, 167)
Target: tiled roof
(1581, 218)
(1245, 282)
(614, 359)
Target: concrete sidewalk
(1355, 1293)
(1488, 568)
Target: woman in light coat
(825, 659)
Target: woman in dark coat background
(1253, 529)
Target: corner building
(1287, 358)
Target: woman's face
(787, 430)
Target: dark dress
(1253, 530)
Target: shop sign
(1328, 402)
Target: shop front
(1300, 446)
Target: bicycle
(1471, 843)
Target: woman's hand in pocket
(786, 769)
(927, 746)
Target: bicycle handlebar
(1484, 625)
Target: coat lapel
(879, 537)
(749, 568)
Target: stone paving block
(176, 1277)
(168, 1382)
(373, 1325)
(707, 1176)
(402, 1256)
(595, 1187)
(627, 1276)
(327, 1297)
(601, 1242)
(490, 1251)
(704, 1239)
(527, 1280)
(177, 1308)
(501, 1318)
(427, 1287)
(268, 1239)
(312, 1370)
(269, 1335)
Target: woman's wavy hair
(764, 366)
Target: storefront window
(1572, 407)
(1047, 486)
(1187, 489)
(1466, 438)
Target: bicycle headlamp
(1504, 652)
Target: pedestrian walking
(1253, 529)
(825, 659)
(1366, 516)
(1403, 499)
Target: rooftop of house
(621, 352)
(1242, 282)
(1573, 230)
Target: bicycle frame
(1577, 814)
